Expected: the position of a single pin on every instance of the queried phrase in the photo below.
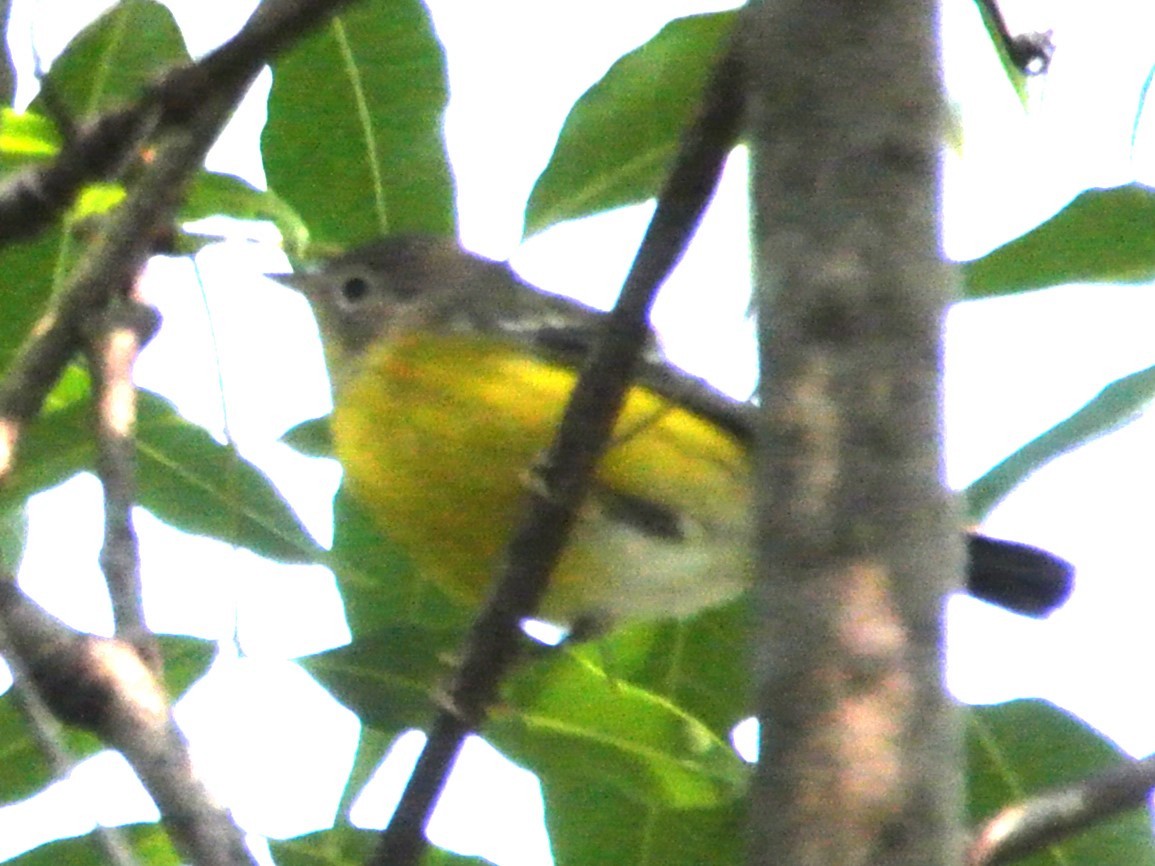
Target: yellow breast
(437, 435)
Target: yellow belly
(437, 436)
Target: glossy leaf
(1115, 405)
(311, 438)
(212, 194)
(184, 476)
(592, 823)
(113, 59)
(391, 679)
(1025, 747)
(1015, 76)
(348, 846)
(567, 719)
(27, 135)
(1103, 235)
(149, 844)
(353, 141)
(27, 273)
(23, 770)
(617, 143)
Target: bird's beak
(297, 280)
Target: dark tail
(1016, 576)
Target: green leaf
(148, 842)
(186, 659)
(391, 679)
(348, 846)
(213, 194)
(23, 770)
(190, 480)
(27, 135)
(568, 720)
(618, 141)
(311, 438)
(13, 537)
(1025, 747)
(378, 583)
(184, 476)
(1103, 235)
(1114, 406)
(28, 270)
(372, 747)
(338, 846)
(592, 823)
(1015, 76)
(699, 664)
(112, 60)
(353, 142)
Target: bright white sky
(1014, 368)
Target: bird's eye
(354, 290)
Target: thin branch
(114, 340)
(495, 638)
(48, 734)
(198, 95)
(1030, 52)
(99, 149)
(104, 686)
(1029, 826)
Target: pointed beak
(297, 280)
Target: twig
(104, 686)
(115, 338)
(217, 80)
(1027, 827)
(100, 148)
(1030, 52)
(494, 638)
(49, 738)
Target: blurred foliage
(630, 735)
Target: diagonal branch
(104, 686)
(100, 148)
(1029, 826)
(115, 338)
(537, 543)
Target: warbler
(449, 377)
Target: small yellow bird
(449, 377)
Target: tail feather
(1018, 577)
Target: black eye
(354, 289)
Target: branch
(495, 637)
(857, 545)
(115, 338)
(101, 148)
(190, 104)
(48, 735)
(103, 686)
(1030, 52)
(1027, 827)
